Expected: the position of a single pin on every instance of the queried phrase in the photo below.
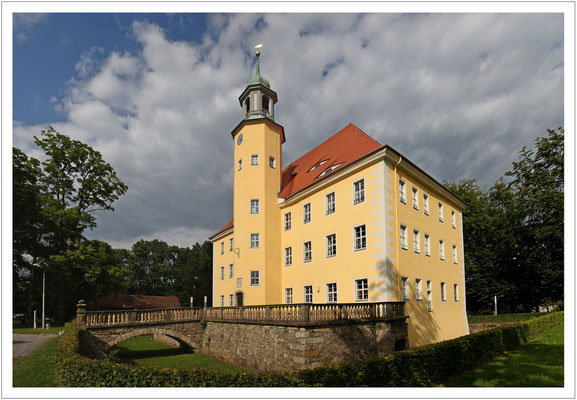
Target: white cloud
(458, 94)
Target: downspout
(396, 230)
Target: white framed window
(358, 191)
(426, 203)
(443, 291)
(288, 295)
(332, 292)
(430, 296)
(405, 288)
(254, 159)
(254, 278)
(403, 233)
(453, 220)
(455, 257)
(360, 237)
(361, 289)
(402, 191)
(221, 248)
(441, 212)
(308, 293)
(427, 244)
(230, 244)
(418, 290)
(416, 241)
(330, 203)
(222, 300)
(238, 282)
(231, 300)
(332, 245)
(415, 198)
(230, 271)
(307, 251)
(222, 273)
(442, 249)
(456, 291)
(307, 213)
(254, 240)
(254, 206)
(272, 162)
(240, 164)
(287, 221)
(288, 256)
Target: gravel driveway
(24, 345)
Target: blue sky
(157, 95)
(47, 48)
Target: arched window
(247, 105)
(265, 104)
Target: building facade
(349, 221)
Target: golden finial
(257, 47)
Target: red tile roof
(344, 147)
(224, 228)
(122, 301)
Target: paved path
(24, 345)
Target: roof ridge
(366, 134)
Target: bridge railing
(278, 313)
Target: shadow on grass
(535, 364)
(129, 354)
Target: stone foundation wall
(167, 340)
(279, 348)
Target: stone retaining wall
(279, 348)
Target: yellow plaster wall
(448, 318)
(348, 264)
(258, 182)
(226, 286)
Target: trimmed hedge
(428, 365)
(422, 366)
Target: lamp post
(43, 292)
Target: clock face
(239, 139)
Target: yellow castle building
(349, 221)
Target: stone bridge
(272, 337)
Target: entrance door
(239, 300)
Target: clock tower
(258, 143)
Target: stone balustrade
(275, 314)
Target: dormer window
(317, 165)
(329, 169)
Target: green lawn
(53, 330)
(535, 364)
(38, 369)
(487, 319)
(144, 351)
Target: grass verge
(38, 369)
(535, 364)
(144, 351)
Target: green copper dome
(257, 78)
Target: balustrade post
(305, 313)
(373, 310)
(81, 315)
(267, 311)
(344, 314)
(241, 312)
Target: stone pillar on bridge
(81, 315)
